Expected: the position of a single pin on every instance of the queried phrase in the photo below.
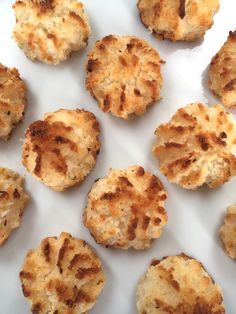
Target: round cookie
(196, 147)
(228, 232)
(178, 285)
(222, 74)
(123, 74)
(126, 209)
(12, 100)
(178, 19)
(62, 276)
(13, 200)
(50, 30)
(62, 149)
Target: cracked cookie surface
(123, 74)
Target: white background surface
(194, 216)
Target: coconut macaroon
(178, 284)
(62, 149)
(228, 232)
(123, 74)
(13, 200)
(50, 30)
(126, 209)
(222, 74)
(178, 19)
(196, 147)
(12, 100)
(62, 276)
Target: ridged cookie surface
(178, 19)
(197, 146)
(222, 72)
(228, 232)
(50, 30)
(12, 100)
(62, 149)
(13, 200)
(62, 276)
(123, 74)
(178, 285)
(126, 209)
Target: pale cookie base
(62, 149)
(49, 31)
(197, 146)
(62, 276)
(12, 100)
(178, 19)
(178, 285)
(13, 200)
(123, 74)
(126, 209)
(222, 73)
(228, 232)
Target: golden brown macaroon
(123, 74)
(50, 30)
(196, 147)
(62, 149)
(12, 100)
(222, 72)
(13, 200)
(178, 285)
(62, 276)
(178, 19)
(228, 232)
(126, 209)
